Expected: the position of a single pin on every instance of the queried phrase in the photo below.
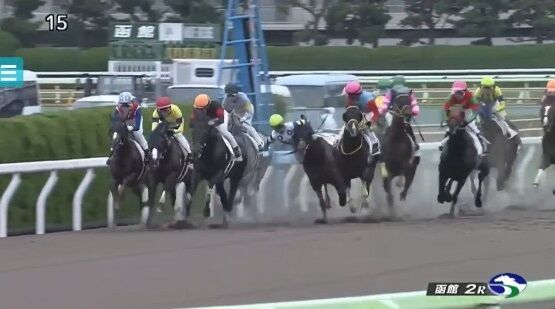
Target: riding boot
(237, 153)
(483, 142)
(109, 160)
(443, 141)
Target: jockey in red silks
(460, 95)
(364, 100)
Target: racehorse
(168, 167)
(320, 163)
(126, 167)
(213, 161)
(458, 160)
(548, 142)
(355, 159)
(398, 152)
(502, 152)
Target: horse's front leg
(442, 194)
(141, 191)
(543, 165)
(460, 185)
(484, 172)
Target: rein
(360, 126)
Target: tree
(194, 11)
(428, 13)
(539, 14)
(480, 18)
(131, 7)
(364, 20)
(19, 25)
(88, 14)
(318, 9)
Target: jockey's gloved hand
(130, 128)
(212, 122)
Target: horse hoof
(353, 209)
(478, 203)
(440, 199)
(447, 216)
(553, 191)
(152, 226)
(321, 221)
(403, 196)
(206, 212)
(535, 185)
(449, 198)
(181, 225)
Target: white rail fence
(285, 185)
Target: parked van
(21, 101)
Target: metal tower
(243, 32)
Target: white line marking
(8, 66)
(8, 72)
(8, 79)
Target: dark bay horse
(213, 161)
(355, 158)
(320, 163)
(168, 167)
(548, 142)
(398, 152)
(126, 166)
(502, 152)
(458, 160)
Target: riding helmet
(487, 81)
(398, 80)
(353, 88)
(550, 87)
(125, 98)
(384, 84)
(163, 102)
(231, 88)
(276, 120)
(201, 101)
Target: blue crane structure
(243, 32)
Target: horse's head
(302, 134)
(455, 119)
(201, 131)
(549, 118)
(118, 130)
(352, 118)
(159, 142)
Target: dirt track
(138, 269)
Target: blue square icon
(11, 72)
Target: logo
(507, 284)
(11, 72)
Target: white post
(110, 210)
(5, 203)
(260, 197)
(78, 199)
(40, 218)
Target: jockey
(128, 108)
(364, 100)
(171, 114)
(400, 93)
(491, 95)
(238, 103)
(281, 130)
(460, 95)
(215, 111)
(548, 99)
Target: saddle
(230, 161)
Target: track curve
(138, 269)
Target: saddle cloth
(139, 148)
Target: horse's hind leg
(226, 200)
(323, 205)
(409, 177)
(387, 188)
(442, 192)
(460, 185)
(484, 172)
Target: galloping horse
(320, 163)
(398, 152)
(213, 161)
(168, 167)
(502, 151)
(548, 142)
(458, 159)
(355, 159)
(126, 167)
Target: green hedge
(63, 135)
(332, 58)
